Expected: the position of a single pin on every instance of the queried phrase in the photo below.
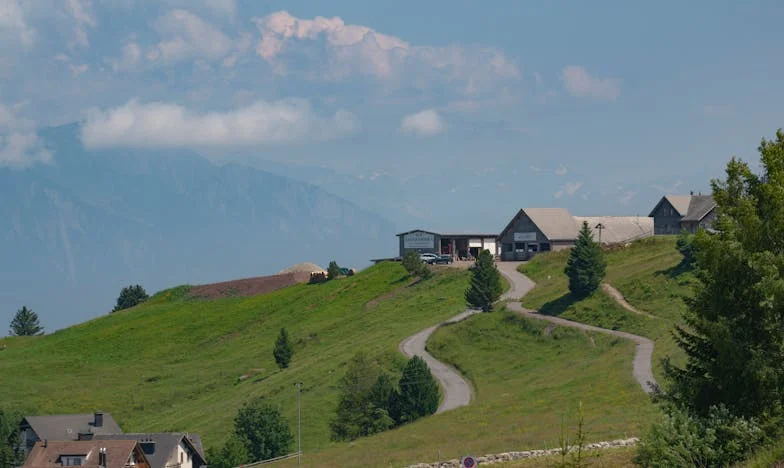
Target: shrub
(357, 415)
(685, 246)
(264, 430)
(720, 439)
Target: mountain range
(78, 230)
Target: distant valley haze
(187, 142)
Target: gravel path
(521, 285)
(457, 392)
(615, 294)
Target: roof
(68, 426)
(618, 229)
(555, 223)
(699, 207)
(46, 456)
(451, 233)
(165, 445)
(689, 207)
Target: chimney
(691, 192)
(102, 457)
(98, 419)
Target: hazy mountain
(77, 231)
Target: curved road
(520, 285)
(457, 392)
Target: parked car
(444, 259)
(429, 258)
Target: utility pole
(299, 426)
(600, 226)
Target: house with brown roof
(87, 453)
(166, 449)
(63, 427)
(676, 213)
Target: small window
(180, 457)
(71, 460)
(520, 246)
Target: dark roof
(165, 445)
(68, 426)
(689, 207)
(450, 234)
(699, 207)
(117, 453)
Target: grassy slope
(645, 272)
(525, 379)
(174, 364)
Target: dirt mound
(302, 267)
(249, 286)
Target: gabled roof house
(166, 449)
(86, 454)
(64, 427)
(676, 213)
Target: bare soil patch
(249, 286)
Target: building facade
(676, 213)
(534, 230)
(459, 246)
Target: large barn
(459, 245)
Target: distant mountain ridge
(78, 230)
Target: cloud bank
(20, 146)
(342, 50)
(158, 124)
(425, 123)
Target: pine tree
(586, 266)
(733, 336)
(418, 391)
(25, 323)
(283, 352)
(361, 392)
(130, 296)
(485, 287)
(333, 270)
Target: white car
(428, 257)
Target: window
(71, 460)
(180, 457)
(520, 246)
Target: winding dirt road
(520, 285)
(457, 392)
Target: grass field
(175, 363)
(526, 377)
(646, 273)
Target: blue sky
(609, 101)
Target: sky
(608, 98)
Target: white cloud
(569, 189)
(188, 36)
(170, 125)
(129, 59)
(580, 83)
(425, 123)
(20, 147)
(226, 8)
(359, 50)
(560, 170)
(81, 11)
(13, 23)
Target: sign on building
(525, 237)
(419, 240)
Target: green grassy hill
(176, 363)
(184, 364)
(647, 273)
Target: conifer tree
(733, 336)
(283, 351)
(485, 287)
(585, 266)
(333, 270)
(25, 323)
(418, 391)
